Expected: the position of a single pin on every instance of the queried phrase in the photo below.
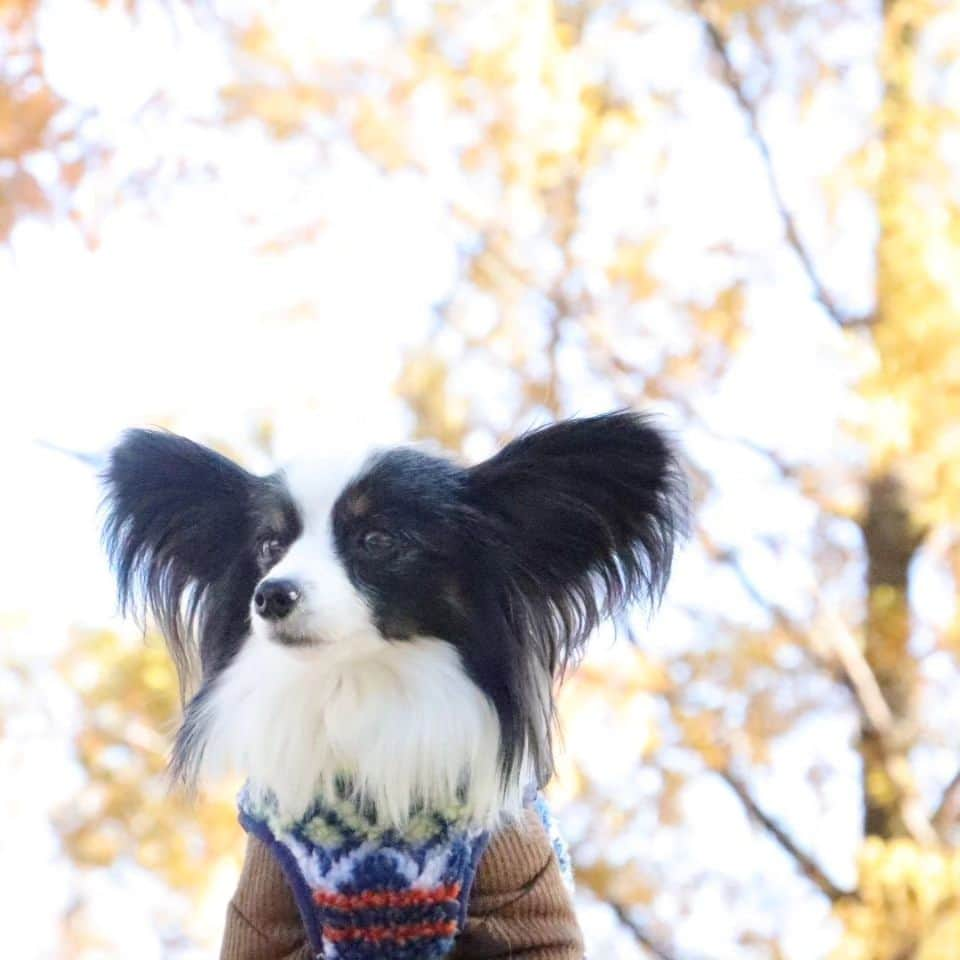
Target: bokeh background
(273, 225)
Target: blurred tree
(47, 145)
(562, 302)
(124, 812)
(604, 262)
(130, 700)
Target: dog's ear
(178, 524)
(587, 512)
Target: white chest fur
(403, 721)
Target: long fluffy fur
(423, 674)
(405, 725)
(178, 532)
(579, 519)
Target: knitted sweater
(519, 907)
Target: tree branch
(860, 678)
(658, 950)
(735, 85)
(808, 866)
(948, 808)
(862, 683)
(856, 672)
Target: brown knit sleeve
(519, 906)
(263, 922)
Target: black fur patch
(181, 527)
(516, 560)
(513, 561)
(575, 521)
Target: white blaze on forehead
(331, 608)
(316, 483)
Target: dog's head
(511, 562)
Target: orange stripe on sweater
(372, 899)
(399, 934)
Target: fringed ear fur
(583, 516)
(178, 526)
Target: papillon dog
(397, 623)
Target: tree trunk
(889, 531)
(890, 542)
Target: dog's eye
(269, 550)
(377, 543)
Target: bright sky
(170, 320)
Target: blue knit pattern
(560, 848)
(365, 889)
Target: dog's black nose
(275, 599)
